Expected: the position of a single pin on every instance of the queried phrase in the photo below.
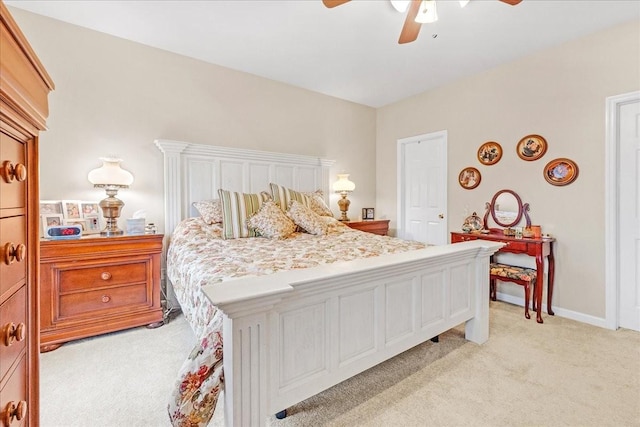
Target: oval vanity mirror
(506, 209)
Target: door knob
(441, 216)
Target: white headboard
(194, 172)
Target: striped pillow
(284, 196)
(236, 210)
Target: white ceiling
(351, 51)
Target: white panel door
(629, 216)
(422, 188)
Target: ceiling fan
(419, 12)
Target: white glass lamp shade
(400, 5)
(110, 174)
(343, 185)
(427, 13)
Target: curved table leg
(537, 298)
(550, 278)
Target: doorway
(622, 215)
(422, 188)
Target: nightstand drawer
(85, 278)
(13, 321)
(112, 299)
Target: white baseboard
(561, 312)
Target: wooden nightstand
(375, 226)
(95, 285)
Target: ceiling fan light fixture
(427, 13)
(463, 3)
(400, 5)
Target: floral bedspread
(198, 255)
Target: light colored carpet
(561, 373)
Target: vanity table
(507, 210)
(540, 248)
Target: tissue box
(135, 226)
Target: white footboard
(291, 335)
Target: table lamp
(343, 186)
(111, 177)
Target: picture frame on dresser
(50, 207)
(71, 209)
(93, 224)
(89, 209)
(368, 213)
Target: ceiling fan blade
(411, 28)
(511, 2)
(334, 3)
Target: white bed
(360, 312)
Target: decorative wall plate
(469, 178)
(561, 171)
(531, 147)
(489, 153)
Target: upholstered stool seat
(511, 273)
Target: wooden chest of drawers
(96, 285)
(24, 89)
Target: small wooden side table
(375, 226)
(96, 285)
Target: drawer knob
(105, 275)
(12, 332)
(106, 298)
(14, 411)
(11, 172)
(14, 253)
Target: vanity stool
(511, 273)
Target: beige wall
(115, 97)
(558, 93)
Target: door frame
(401, 143)
(611, 226)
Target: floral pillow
(271, 222)
(209, 210)
(306, 219)
(317, 204)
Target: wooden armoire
(24, 88)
